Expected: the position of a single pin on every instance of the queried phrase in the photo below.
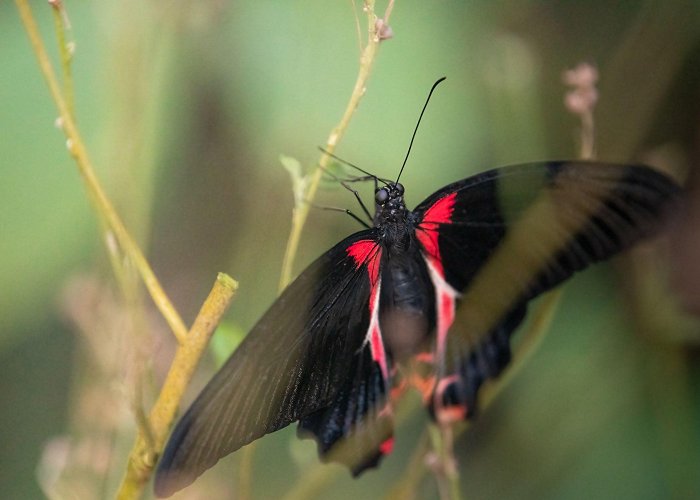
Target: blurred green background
(185, 108)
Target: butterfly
(325, 353)
(425, 298)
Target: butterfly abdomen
(407, 305)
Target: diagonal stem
(143, 456)
(98, 197)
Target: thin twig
(301, 211)
(406, 486)
(581, 100)
(442, 461)
(143, 458)
(65, 50)
(102, 204)
(154, 429)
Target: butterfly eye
(381, 195)
(399, 189)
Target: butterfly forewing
(292, 364)
(504, 236)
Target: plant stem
(62, 26)
(142, 458)
(444, 465)
(102, 203)
(301, 211)
(154, 429)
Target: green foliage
(225, 340)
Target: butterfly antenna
(345, 162)
(416, 129)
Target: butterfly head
(389, 203)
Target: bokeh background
(186, 107)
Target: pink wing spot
(369, 253)
(387, 446)
(445, 319)
(439, 213)
(378, 353)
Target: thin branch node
(149, 458)
(70, 146)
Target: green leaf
(299, 180)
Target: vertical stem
(301, 211)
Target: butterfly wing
(498, 239)
(316, 347)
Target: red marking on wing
(439, 213)
(369, 253)
(378, 353)
(446, 314)
(387, 446)
(445, 319)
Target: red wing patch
(439, 213)
(446, 303)
(387, 446)
(369, 253)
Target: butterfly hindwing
(356, 430)
(502, 237)
(316, 350)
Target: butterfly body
(441, 288)
(406, 306)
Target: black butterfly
(325, 353)
(436, 291)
